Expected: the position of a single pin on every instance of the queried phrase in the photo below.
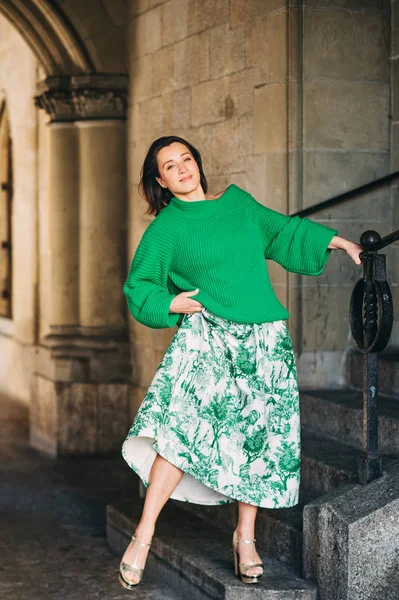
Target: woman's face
(178, 171)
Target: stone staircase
(193, 542)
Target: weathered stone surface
(346, 45)
(227, 50)
(174, 29)
(145, 364)
(324, 308)
(162, 71)
(206, 14)
(219, 147)
(255, 49)
(350, 540)
(144, 33)
(276, 47)
(191, 60)
(240, 12)
(327, 174)
(140, 80)
(339, 414)
(210, 102)
(325, 465)
(113, 416)
(320, 369)
(245, 135)
(270, 118)
(136, 396)
(335, 113)
(181, 108)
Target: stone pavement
(52, 522)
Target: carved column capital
(83, 97)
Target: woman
(220, 420)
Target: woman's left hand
(351, 248)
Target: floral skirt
(223, 407)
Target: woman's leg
(163, 479)
(246, 531)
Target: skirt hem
(173, 496)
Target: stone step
(388, 372)
(326, 464)
(195, 557)
(338, 414)
(278, 531)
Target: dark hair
(149, 188)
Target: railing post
(371, 318)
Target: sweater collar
(198, 208)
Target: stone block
(140, 79)
(191, 61)
(395, 28)
(346, 45)
(395, 90)
(325, 317)
(220, 148)
(255, 49)
(245, 135)
(240, 94)
(351, 540)
(144, 365)
(206, 14)
(210, 102)
(327, 174)
(113, 417)
(43, 415)
(174, 29)
(240, 12)
(136, 396)
(144, 33)
(161, 339)
(162, 71)
(227, 50)
(277, 182)
(395, 147)
(276, 47)
(77, 418)
(317, 369)
(336, 114)
(270, 118)
(256, 179)
(181, 108)
(259, 7)
(151, 113)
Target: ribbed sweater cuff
(159, 311)
(318, 246)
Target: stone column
(64, 227)
(102, 223)
(80, 392)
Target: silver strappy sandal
(242, 569)
(124, 568)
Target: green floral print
(223, 407)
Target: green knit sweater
(220, 247)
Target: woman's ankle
(144, 533)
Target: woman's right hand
(182, 303)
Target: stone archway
(80, 386)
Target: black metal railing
(371, 320)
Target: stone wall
(17, 336)
(344, 105)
